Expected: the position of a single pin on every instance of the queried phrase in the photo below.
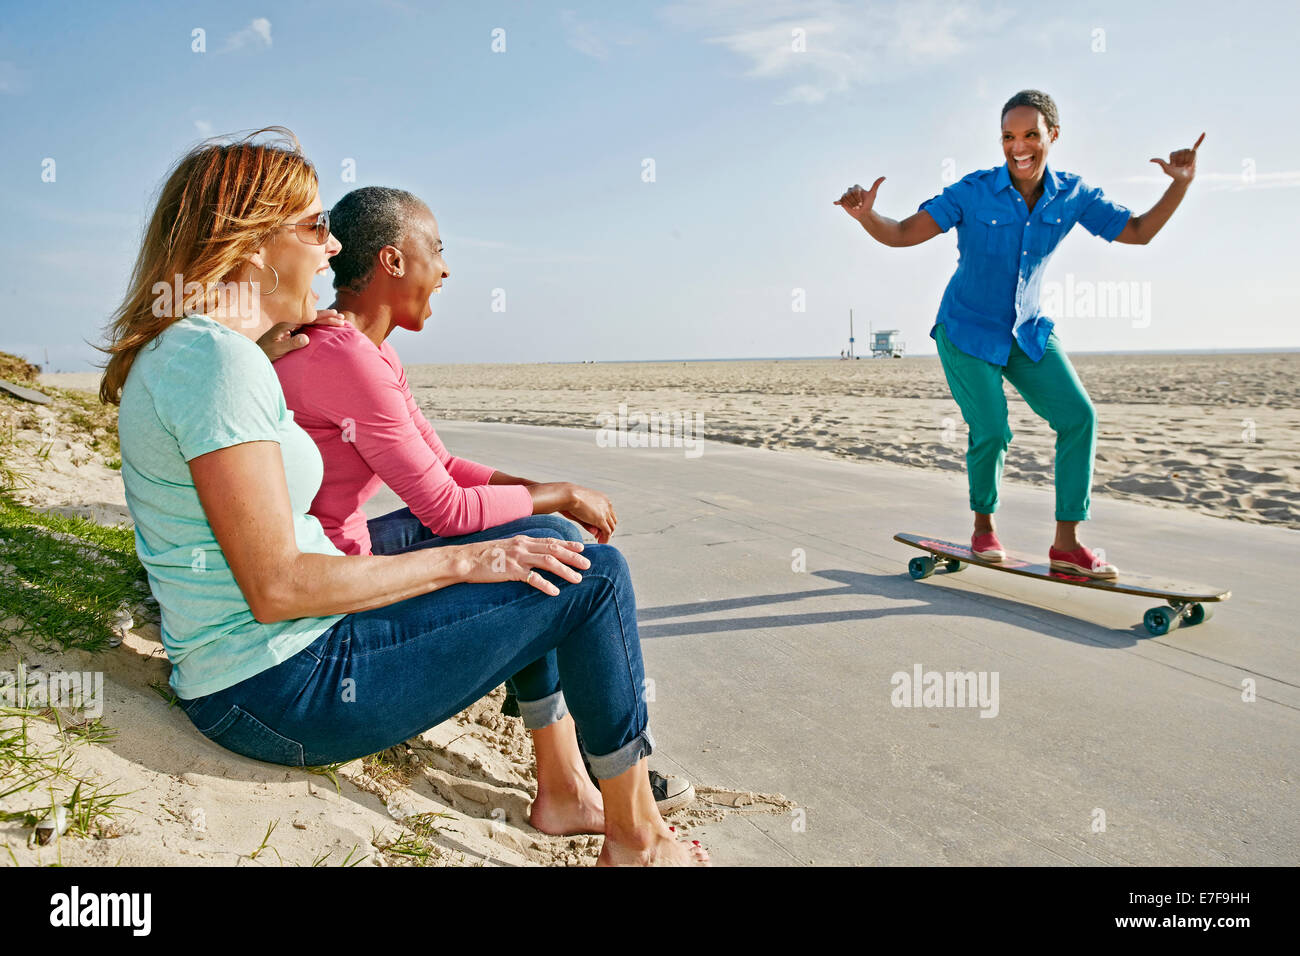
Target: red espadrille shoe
(1081, 561)
(987, 546)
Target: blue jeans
(382, 676)
(401, 530)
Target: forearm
(315, 585)
(548, 497)
(912, 231)
(501, 478)
(883, 229)
(551, 497)
(1154, 219)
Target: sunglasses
(314, 231)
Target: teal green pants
(1053, 390)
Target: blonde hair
(218, 205)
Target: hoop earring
(277, 279)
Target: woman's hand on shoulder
(280, 339)
(519, 558)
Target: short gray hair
(366, 220)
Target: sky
(655, 180)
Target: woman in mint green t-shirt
(283, 649)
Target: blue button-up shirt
(1002, 248)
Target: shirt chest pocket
(997, 233)
(1045, 235)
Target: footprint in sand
(1253, 477)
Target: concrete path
(774, 679)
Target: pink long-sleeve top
(352, 398)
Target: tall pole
(850, 333)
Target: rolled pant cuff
(1072, 516)
(542, 713)
(620, 761)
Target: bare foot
(662, 849)
(567, 814)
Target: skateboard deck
(26, 394)
(1185, 605)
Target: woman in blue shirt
(1009, 220)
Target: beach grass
(266, 843)
(64, 579)
(17, 370)
(10, 477)
(347, 861)
(59, 801)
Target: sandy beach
(1214, 434)
(459, 794)
(1219, 434)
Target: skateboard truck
(1162, 620)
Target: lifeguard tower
(887, 344)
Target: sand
(68, 469)
(1219, 434)
(458, 794)
(1216, 434)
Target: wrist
(452, 566)
(570, 496)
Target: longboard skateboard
(1186, 602)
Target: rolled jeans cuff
(612, 764)
(542, 713)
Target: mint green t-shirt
(197, 387)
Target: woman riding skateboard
(1009, 220)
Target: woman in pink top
(347, 389)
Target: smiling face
(1026, 141)
(422, 274)
(292, 252)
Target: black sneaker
(671, 793)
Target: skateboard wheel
(920, 568)
(953, 566)
(1199, 614)
(1161, 620)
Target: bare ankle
(637, 836)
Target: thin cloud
(255, 36)
(582, 36)
(826, 47)
(597, 43)
(204, 128)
